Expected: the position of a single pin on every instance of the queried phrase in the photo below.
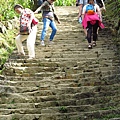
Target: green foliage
(113, 9)
(113, 17)
(63, 109)
(7, 11)
(65, 2)
(7, 44)
(108, 117)
(6, 8)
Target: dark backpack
(90, 9)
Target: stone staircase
(66, 81)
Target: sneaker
(21, 54)
(89, 46)
(51, 42)
(42, 43)
(94, 43)
(30, 58)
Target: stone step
(74, 51)
(60, 67)
(59, 74)
(48, 59)
(51, 63)
(59, 82)
(20, 111)
(69, 69)
(103, 114)
(59, 109)
(38, 81)
(81, 108)
(76, 95)
(81, 47)
(43, 94)
(21, 117)
(41, 82)
(99, 101)
(66, 80)
(87, 81)
(63, 116)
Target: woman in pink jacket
(92, 19)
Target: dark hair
(18, 6)
(91, 2)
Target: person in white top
(101, 4)
(96, 8)
(81, 4)
(92, 19)
(31, 37)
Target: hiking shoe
(42, 43)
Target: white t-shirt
(96, 7)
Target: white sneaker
(51, 42)
(21, 54)
(42, 43)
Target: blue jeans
(46, 23)
(40, 2)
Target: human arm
(56, 18)
(103, 8)
(39, 8)
(55, 15)
(98, 12)
(80, 10)
(80, 7)
(83, 12)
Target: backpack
(90, 9)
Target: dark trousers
(92, 29)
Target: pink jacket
(92, 19)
